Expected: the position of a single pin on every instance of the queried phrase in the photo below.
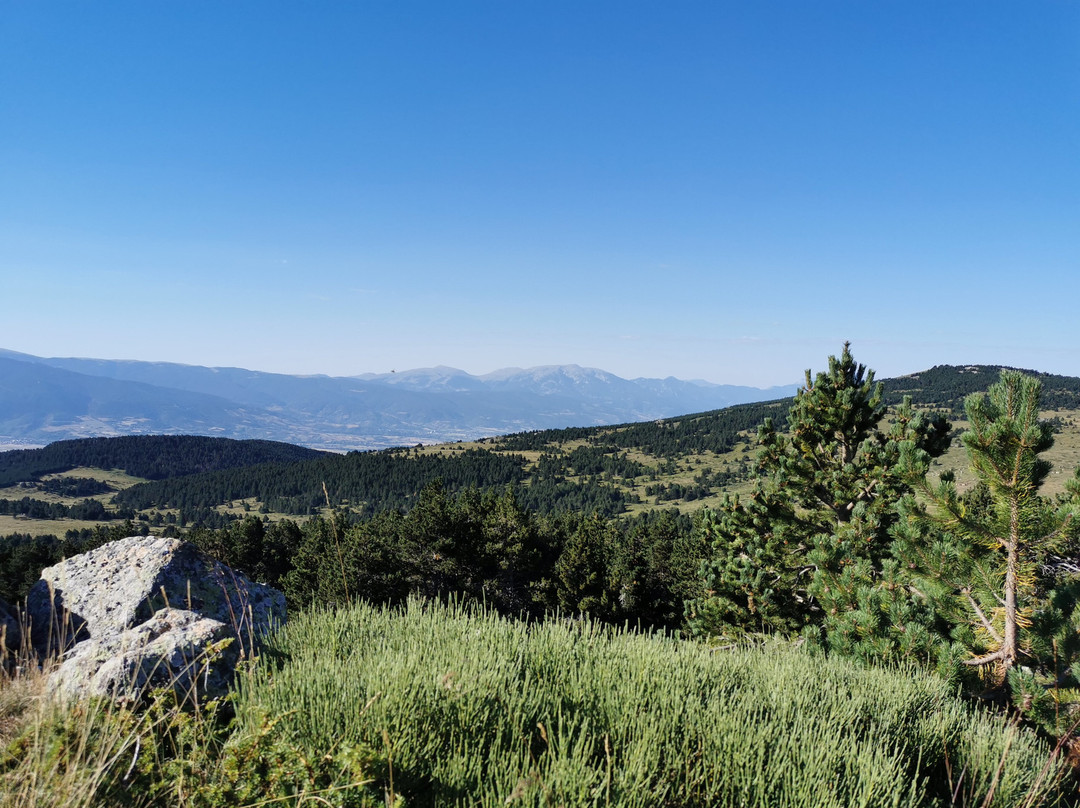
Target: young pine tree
(982, 556)
(807, 544)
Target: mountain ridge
(47, 399)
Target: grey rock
(136, 612)
(121, 584)
(174, 648)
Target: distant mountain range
(44, 400)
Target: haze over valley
(48, 399)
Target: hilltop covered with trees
(155, 457)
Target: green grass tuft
(466, 708)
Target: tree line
(476, 544)
(366, 482)
(88, 509)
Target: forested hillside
(363, 481)
(557, 471)
(155, 457)
(946, 386)
(666, 438)
(607, 470)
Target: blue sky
(716, 190)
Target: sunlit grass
(434, 705)
(473, 709)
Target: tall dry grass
(169, 749)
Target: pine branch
(982, 617)
(997, 656)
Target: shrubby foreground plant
(438, 705)
(468, 708)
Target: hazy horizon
(392, 371)
(493, 371)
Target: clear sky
(715, 190)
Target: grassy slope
(1064, 455)
(435, 705)
(479, 710)
(115, 478)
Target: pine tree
(981, 556)
(805, 547)
(581, 584)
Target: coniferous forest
(902, 527)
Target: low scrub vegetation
(433, 704)
(97, 753)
